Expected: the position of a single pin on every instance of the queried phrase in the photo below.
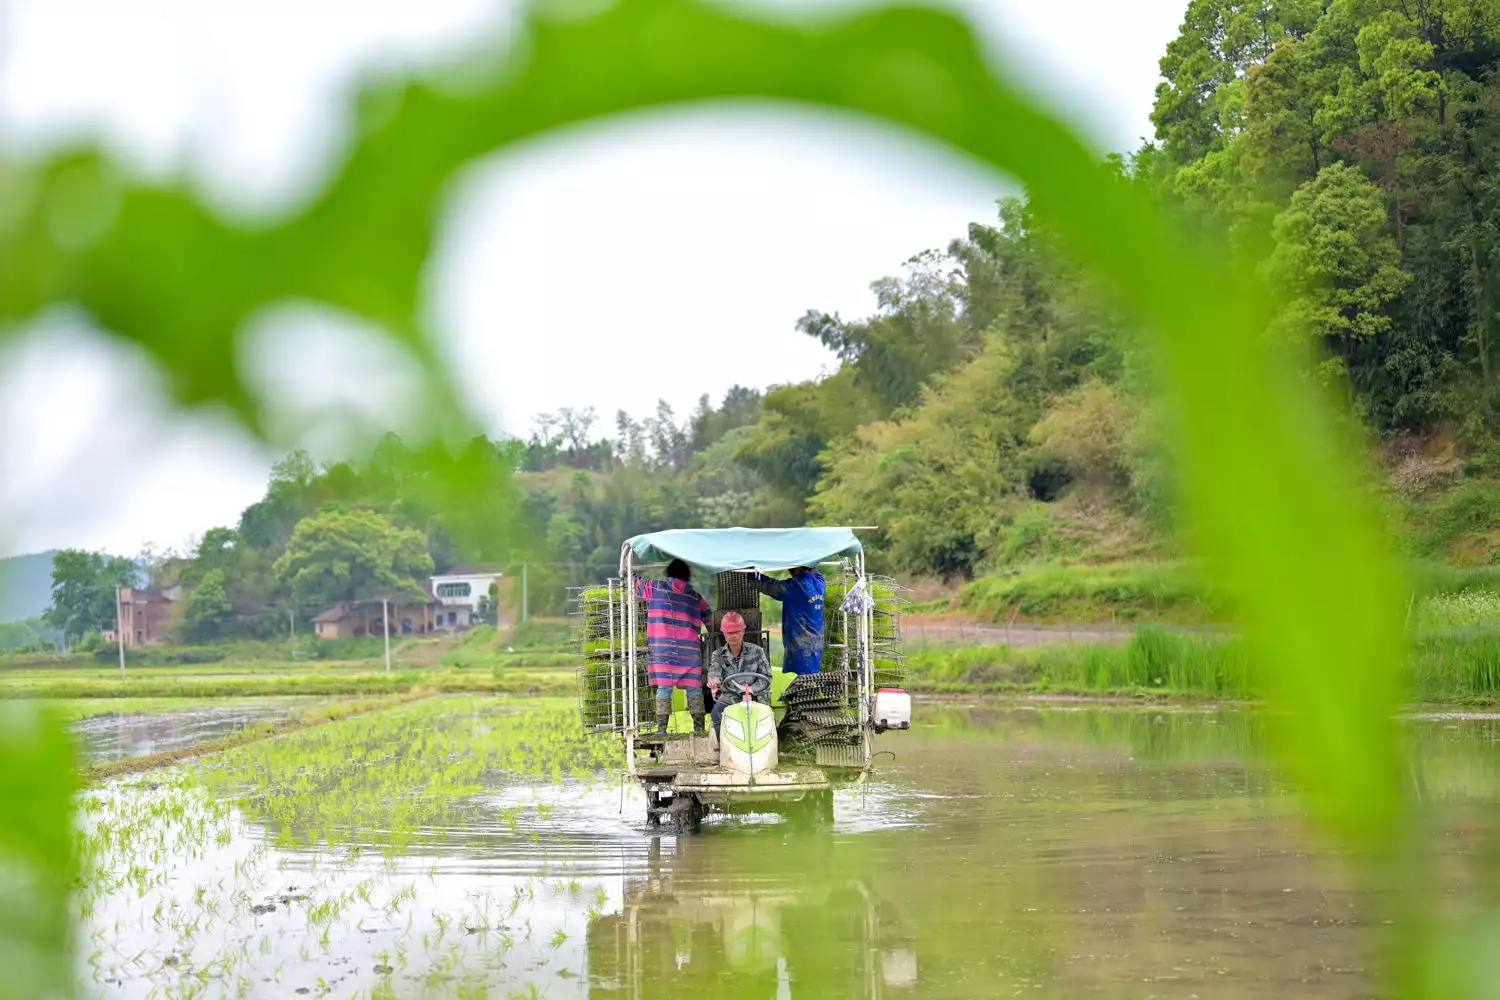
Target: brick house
(145, 615)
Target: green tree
(1335, 262)
(83, 590)
(206, 609)
(488, 611)
(917, 330)
(352, 555)
(218, 549)
(1217, 42)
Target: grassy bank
(1118, 592)
(1458, 666)
(1170, 592)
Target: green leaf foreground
(1270, 490)
(37, 862)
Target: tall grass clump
(1456, 666)
(1156, 658)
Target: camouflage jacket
(751, 659)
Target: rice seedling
(282, 862)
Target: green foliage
(37, 864)
(657, 473)
(354, 556)
(29, 635)
(206, 608)
(93, 642)
(1198, 104)
(1359, 144)
(487, 614)
(1454, 667)
(1041, 410)
(83, 590)
(1335, 261)
(1124, 591)
(538, 633)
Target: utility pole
(120, 631)
(523, 593)
(385, 620)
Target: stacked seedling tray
(597, 630)
(822, 719)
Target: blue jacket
(801, 600)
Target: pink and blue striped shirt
(675, 616)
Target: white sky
(561, 265)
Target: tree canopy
(83, 590)
(352, 555)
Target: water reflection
(680, 936)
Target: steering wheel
(743, 676)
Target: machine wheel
(685, 814)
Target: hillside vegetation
(995, 412)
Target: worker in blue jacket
(801, 600)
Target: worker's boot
(698, 729)
(663, 719)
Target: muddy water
(1067, 851)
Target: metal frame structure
(625, 652)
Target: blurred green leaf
(37, 862)
(1269, 486)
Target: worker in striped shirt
(675, 617)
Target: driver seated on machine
(735, 657)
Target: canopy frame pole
(631, 684)
(866, 652)
(844, 615)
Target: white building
(458, 594)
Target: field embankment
(1124, 594)
(1452, 664)
(531, 660)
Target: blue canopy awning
(719, 550)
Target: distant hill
(25, 586)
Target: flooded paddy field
(109, 729)
(482, 847)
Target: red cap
(732, 622)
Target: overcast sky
(695, 237)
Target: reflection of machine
(786, 758)
(742, 939)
